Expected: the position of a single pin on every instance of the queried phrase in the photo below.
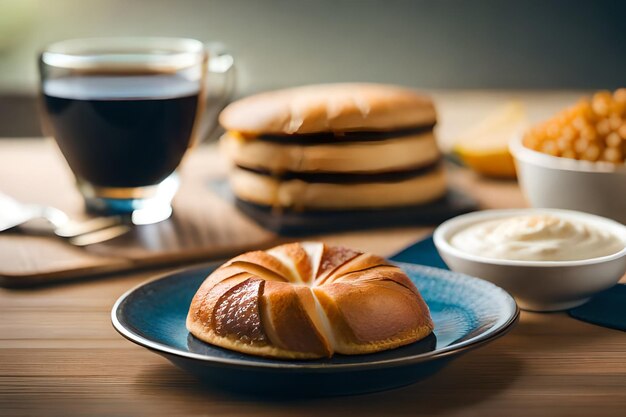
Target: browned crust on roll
(308, 300)
(329, 108)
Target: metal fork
(15, 214)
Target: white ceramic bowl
(537, 285)
(549, 181)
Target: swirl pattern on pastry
(308, 300)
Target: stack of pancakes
(334, 147)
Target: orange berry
(620, 95)
(613, 140)
(568, 132)
(580, 145)
(601, 103)
(603, 127)
(592, 153)
(589, 133)
(615, 122)
(563, 143)
(612, 155)
(579, 123)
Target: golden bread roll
(334, 147)
(329, 108)
(308, 300)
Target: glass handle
(221, 66)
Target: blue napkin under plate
(607, 309)
(422, 252)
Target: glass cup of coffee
(124, 111)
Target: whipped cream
(544, 237)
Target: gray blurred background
(484, 44)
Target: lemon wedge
(484, 147)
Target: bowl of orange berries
(577, 159)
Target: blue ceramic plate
(468, 312)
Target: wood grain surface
(59, 355)
(203, 226)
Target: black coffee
(122, 131)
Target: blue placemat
(422, 252)
(607, 309)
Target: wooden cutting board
(203, 227)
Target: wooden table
(59, 354)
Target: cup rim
(442, 234)
(124, 53)
(533, 157)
